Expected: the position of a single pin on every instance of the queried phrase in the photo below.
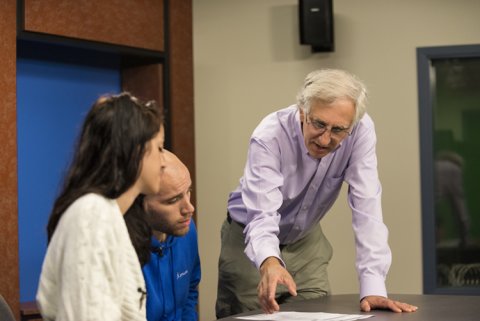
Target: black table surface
(430, 307)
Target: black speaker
(316, 24)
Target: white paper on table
(306, 316)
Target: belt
(230, 220)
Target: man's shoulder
(365, 128)
(366, 121)
(281, 115)
(279, 124)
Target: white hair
(328, 85)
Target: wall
(52, 97)
(8, 164)
(248, 62)
(172, 85)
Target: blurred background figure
(450, 197)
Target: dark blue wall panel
(52, 100)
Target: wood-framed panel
(9, 283)
(180, 75)
(162, 58)
(171, 83)
(131, 23)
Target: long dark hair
(109, 151)
(139, 230)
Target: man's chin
(317, 154)
(181, 232)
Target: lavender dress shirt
(284, 193)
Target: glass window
(449, 89)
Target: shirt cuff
(372, 285)
(262, 255)
(260, 261)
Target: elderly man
(297, 160)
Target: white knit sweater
(91, 271)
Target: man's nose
(325, 138)
(188, 207)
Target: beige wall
(248, 62)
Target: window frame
(426, 94)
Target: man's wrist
(270, 261)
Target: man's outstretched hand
(271, 274)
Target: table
(430, 307)
(29, 311)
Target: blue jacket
(172, 276)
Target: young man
(172, 274)
(297, 160)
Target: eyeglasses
(320, 128)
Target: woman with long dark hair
(91, 270)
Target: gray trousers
(306, 260)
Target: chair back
(6, 313)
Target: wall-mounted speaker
(316, 24)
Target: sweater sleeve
(81, 265)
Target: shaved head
(169, 211)
(173, 172)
